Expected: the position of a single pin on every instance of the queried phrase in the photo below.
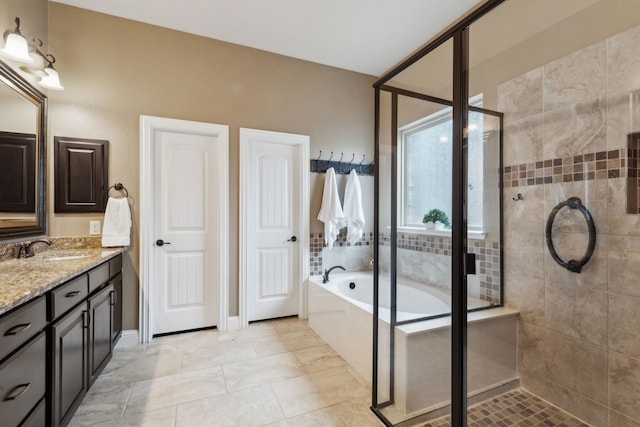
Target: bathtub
(414, 300)
(341, 311)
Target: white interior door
(185, 253)
(273, 227)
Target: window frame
(435, 119)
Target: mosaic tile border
(633, 197)
(622, 163)
(515, 408)
(316, 244)
(487, 252)
(488, 255)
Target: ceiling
(367, 36)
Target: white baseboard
(233, 323)
(128, 338)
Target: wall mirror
(22, 157)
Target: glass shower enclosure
(437, 250)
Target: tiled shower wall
(566, 134)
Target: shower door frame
(460, 35)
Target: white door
(273, 229)
(185, 233)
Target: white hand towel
(331, 209)
(117, 223)
(353, 213)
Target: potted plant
(435, 219)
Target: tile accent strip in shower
(316, 243)
(583, 167)
(487, 252)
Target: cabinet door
(69, 363)
(18, 173)
(101, 327)
(117, 308)
(81, 167)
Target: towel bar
(118, 187)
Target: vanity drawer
(98, 276)
(20, 325)
(115, 265)
(67, 296)
(38, 417)
(22, 381)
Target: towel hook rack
(340, 166)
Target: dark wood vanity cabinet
(23, 381)
(83, 339)
(82, 347)
(115, 272)
(117, 309)
(69, 363)
(53, 348)
(101, 313)
(23, 362)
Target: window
(426, 159)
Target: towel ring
(572, 265)
(119, 187)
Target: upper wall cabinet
(81, 167)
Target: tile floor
(516, 408)
(276, 373)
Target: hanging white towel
(353, 214)
(116, 229)
(331, 210)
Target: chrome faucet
(325, 276)
(26, 248)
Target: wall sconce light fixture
(41, 65)
(16, 46)
(50, 77)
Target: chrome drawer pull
(14, 393)
(72, 294)
(17, 329)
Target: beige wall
(33, 19)
(115, 70)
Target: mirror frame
(22, 87)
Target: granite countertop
(24, 279)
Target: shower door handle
(469, 263)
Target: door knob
(292, 239)
(161, 242)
